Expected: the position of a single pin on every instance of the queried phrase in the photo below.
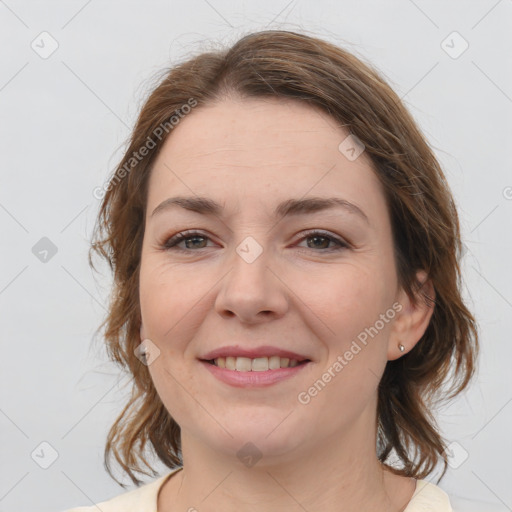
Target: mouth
(258, 364)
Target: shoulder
(142, 499)
(428, 497)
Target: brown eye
(318, 242)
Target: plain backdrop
(73, 75)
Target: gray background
(63, 119)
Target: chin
(269, 438)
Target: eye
(192, 239)
(318, 241)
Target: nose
(252, 292)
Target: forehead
(251, 149)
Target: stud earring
(401, 347)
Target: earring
(401, 347)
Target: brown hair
(424, 222)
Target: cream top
(427, 497)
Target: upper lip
(252, 353)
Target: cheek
(171, 312)
(176, 386)
(356, 345)
(351, 303)
(167, 296)
(347, 297)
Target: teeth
(259, 364)
(243, 364)
(274, 362)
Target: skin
(299, 294)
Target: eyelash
(172, 242)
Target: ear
(142, 332)
(413, 318)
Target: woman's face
(319, 281)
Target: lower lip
(253, 379)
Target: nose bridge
(250, 287)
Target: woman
(286, 288)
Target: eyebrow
(206, 206)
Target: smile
(258, 364)
(247, 377)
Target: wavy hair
(424, 221)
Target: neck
(336, 477)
